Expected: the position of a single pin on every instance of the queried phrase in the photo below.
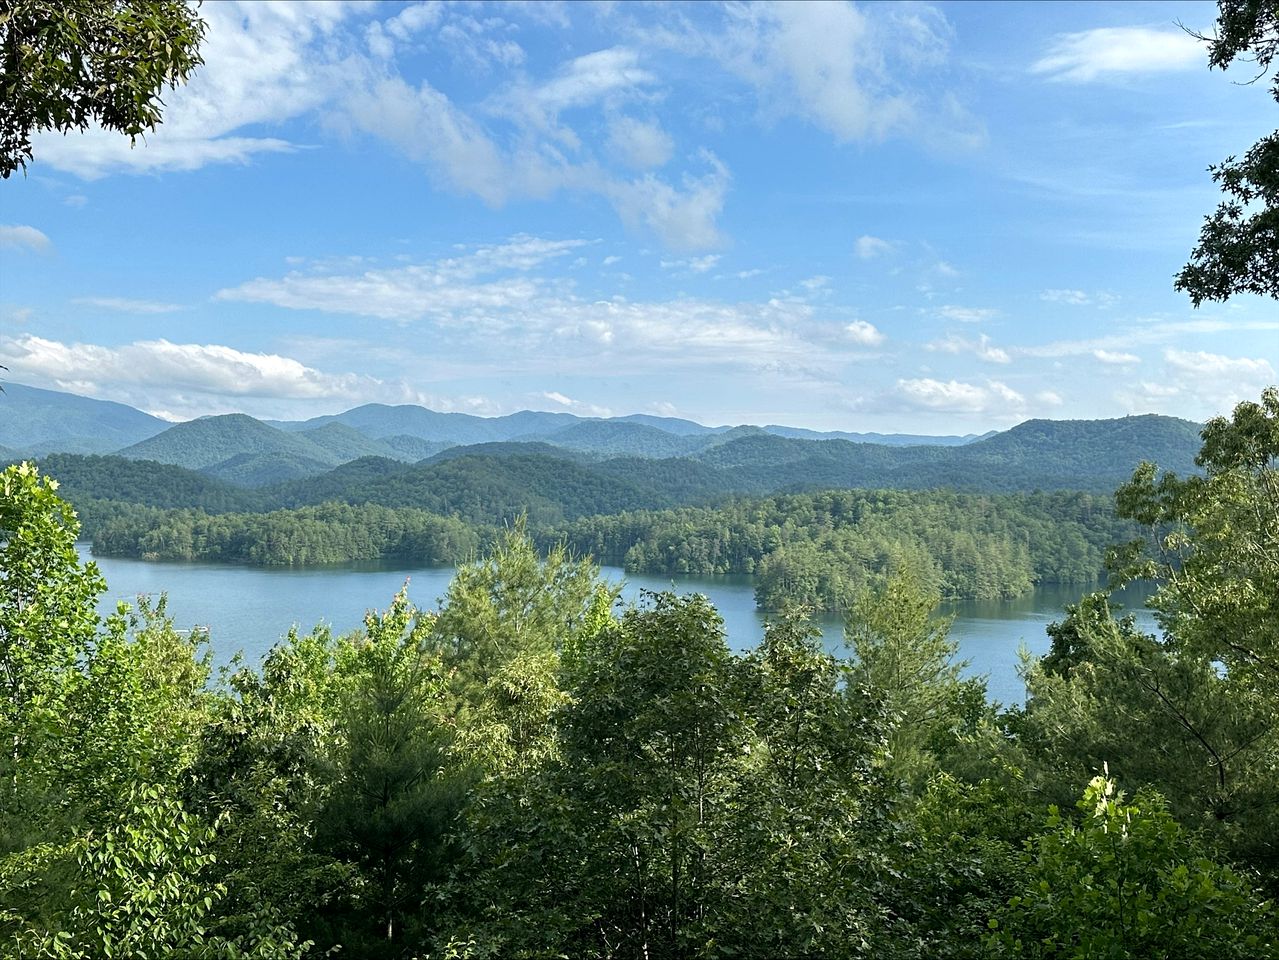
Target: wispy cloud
(981, 348)
(263, 64)
(864, 334)
(958, 397)
(22, 237)
(868, 247)
(966, 314)
(853, 71)
(125, 305)
(1115, 51)
(1079, 298)
(580, 407)
(440, 289)
(692, 264)
(1116, 358)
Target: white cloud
(1115, 357)
(484, 304)
(413, 19)
(580, 407)
(966, 314)
(864, 334)
(182, 380)
(842, 67)
(442, 288)
(1080, 298)
(593, 77)
(1049, 398)
(954, 396)
(207, 368)
(641, 145)
(980, 348)
(425, 125)
(1075, 297)
(125, 305)
(693, 264)
(868, 247)
(685, 219)
(663, 408)
(267, 64)
(22, 237)
(1216, 367)
(263, 63)
(1155, 330)
(1109, 51)
(1199, 385)
(1218, 382)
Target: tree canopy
(67, 64)
(1238, 249)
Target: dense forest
(818, 550)
(533, 771)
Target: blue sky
(895, 217)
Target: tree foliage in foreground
(1238, 248)
(67, 64)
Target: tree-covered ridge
(210, 441)
(675, 462)
(494, 482)
(530, 771)
(330, 533)
(824, 549)
(817, 549)
(38, 421)
(145, 483)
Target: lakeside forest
(533, 771)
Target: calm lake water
(247, 609)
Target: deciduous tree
(67, 64)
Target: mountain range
(250, 452)
(550, 466)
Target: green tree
(652, 729)
(1125, 881)
(516, 603)
(803, 844)
(100, 856)
(1193, 714)
(1213, 542)
(905, 657)
(393, 797)
(48, 620)
(263, 770)
(66, 64)
(1238, 249)
(1163, 717)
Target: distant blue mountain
(35, 421)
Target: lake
(248, 609)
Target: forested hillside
(668, 458)
(823, 550)
(36, 421)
